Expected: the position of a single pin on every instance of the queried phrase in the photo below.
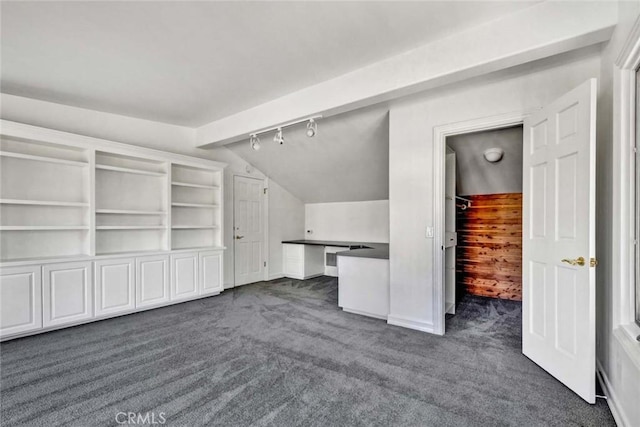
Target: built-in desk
(363, 272)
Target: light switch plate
(429, 233)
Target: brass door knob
(578, 261)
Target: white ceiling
(347, 160)
(190, 63)
(475, 175)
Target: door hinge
(265, 263)
(264, 190)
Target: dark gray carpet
(282, 353)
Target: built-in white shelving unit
(44, 199)
(91, 229)
(131, 196)
(196, 198)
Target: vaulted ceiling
(189, 63)
(347, 160)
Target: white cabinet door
(293, 260)
(114, 286)
(20, 300)
(184, 276)
(67, 293)
(210, 272)
(152, 280)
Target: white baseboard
(364, 313)
(416, 324)
(612, 401)
(276, 276)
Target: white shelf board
(42, 227)
(42, 158)
(193, 227)
(130, 227)
(128, 212)
(194, 205)
(129, 170)
(42, 203)
(187, 184)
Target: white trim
(440, 134)
(365, 313)
(265, 225)
(618, 414)
(275, 276)
(410, 323)
(623, 214)
(265, 228)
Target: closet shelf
(128, 212)
(131, 227)
(42, 227)
(42, 203)
(187, 184)
(129, 170)
(193, 227)
(194, 205)
(42, 158)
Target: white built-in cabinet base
(302, 261)
(363, 286)
(43, 297)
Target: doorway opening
(483, 226)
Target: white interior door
(559, 238)
(247, 230)
(450, 232)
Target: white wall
(618, 354)
(113, 127)
(412, 123)
(286, 222)
(348, 221)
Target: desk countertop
(358, 249)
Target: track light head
(278, 138)
(255, 142)
(312, 128)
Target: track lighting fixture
(255, 142)
(312, 128)
(278, 138)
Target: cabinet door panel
(210, 272)
(115, 291)
(152, 280)
(20, 300)
(67, 293)
(184, 276)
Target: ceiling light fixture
(278, 138)
(312, 128)
(493, 155)
(255, 142)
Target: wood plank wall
(489, 251)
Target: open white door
(247, 230)
(558, 278)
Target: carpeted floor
(281, 353)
